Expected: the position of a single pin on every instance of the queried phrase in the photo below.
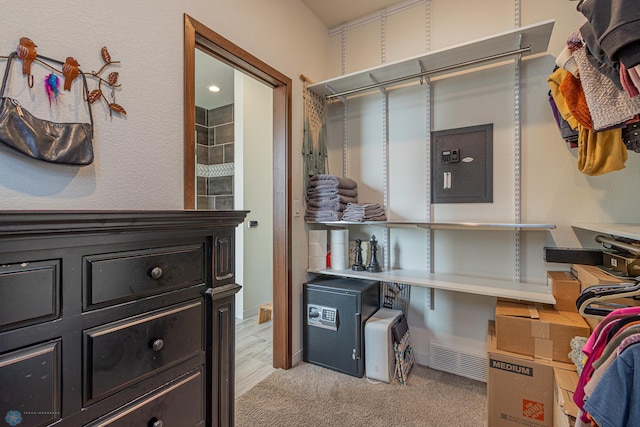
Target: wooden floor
(254, 353)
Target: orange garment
(571, 89)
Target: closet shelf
(528, 40)
(438, 225)
(456, 283)
(629, 231)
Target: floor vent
(457, 362)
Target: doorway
(234, 168)
(199, 37)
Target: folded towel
(363, 207)
(324, 179)
(322, 215)
(336, 197)
(324, 191)
(333, 205)
(364, 212)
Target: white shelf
(629, 231)
(535, 37)
(438, 225)
(456, 283)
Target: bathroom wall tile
(228, 152)
(202, 135)
(221, 115)
(201, 186)
(224, 203)
(222, 185)
(202, 153)
(204, 202)
(224, 134)
(201, 116)
(216, 155)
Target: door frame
(199, 36)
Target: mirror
(198, 37)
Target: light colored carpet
(309, 395)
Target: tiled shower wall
(214, 165)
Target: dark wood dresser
(117, 318)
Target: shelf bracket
(333, 94)
(376, 82)
(421, 72)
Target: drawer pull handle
(154, 422)
(156, 272)
(157, 344)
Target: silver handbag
(64, 143)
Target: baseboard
(296, 358)
(421, 359)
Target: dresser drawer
(121, 353)
(30, 385)
(29, 293)
(125, 276)
(179, 403)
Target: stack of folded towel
(328, 196)
(364, 212)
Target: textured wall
(139, 159)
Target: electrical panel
(462, 165)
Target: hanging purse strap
(84, 80)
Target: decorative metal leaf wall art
(111, 81)
(70, 69)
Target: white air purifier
(379, 359)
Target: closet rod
(621, 245)
(426, 73)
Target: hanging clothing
(614, 401)
(602, 395)
(314, 144)
(616, 26)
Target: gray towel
(364, 212)
(325, 179)
(326, 191)
(319, 215)
(332, 204)
(337, 197)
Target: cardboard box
(537, 330)
(628, 265)
(519, 388)
(565, 410)
(590, 275)
(565, 288)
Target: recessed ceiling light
(214, 88)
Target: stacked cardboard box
(627, 265)
(537, 330)
(520, 388)
(565, 410)
(590, 275)
(565, 289)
